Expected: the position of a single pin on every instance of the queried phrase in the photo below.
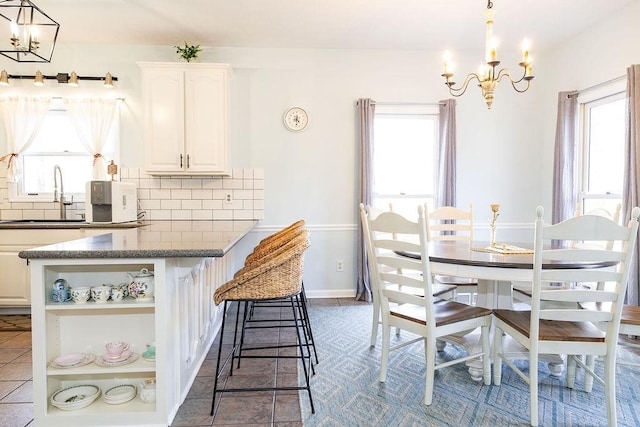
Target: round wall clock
(295, 119)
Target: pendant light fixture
(27, 34)
(488, 76)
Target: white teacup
(116, 348)
(80, 294)
(117, 294)
(100, 293)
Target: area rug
(15, 323)
(346, 390)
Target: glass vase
(492, 240)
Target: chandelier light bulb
(14, 29)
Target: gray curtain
(365, 109)
(631, 192)
(565, 194)
(446, 178)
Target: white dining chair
(569, 328)
(406, 301)
(447, 224)
(442, 291)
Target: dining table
(496, 268)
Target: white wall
(504, 154)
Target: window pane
(56, 135)
(404, 154)
(404, 158)
(606, 148)
(76, 171)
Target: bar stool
(277, 276)
(267, 246)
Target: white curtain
(93, 118)
(23, 117)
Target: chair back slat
(580, 275)
(397, 245)
(562, 315)
(578, 295)
(449, 223)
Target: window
(57, 143)
(602, 152)
(404, 157)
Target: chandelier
(30, 34)
(488, 75)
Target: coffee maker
(111, 202)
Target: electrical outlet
(339, 265)
(228, 198)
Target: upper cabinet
(185, 118)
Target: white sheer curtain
(93, 118)
(23, 117)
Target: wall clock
(295, 119)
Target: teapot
(142, 285)
(147, 391)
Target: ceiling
(349, 24)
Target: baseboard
(331, 293)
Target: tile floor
(274, 409)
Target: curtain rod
(598, 86)
(62, 97)
(409, 103)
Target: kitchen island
(189, 260)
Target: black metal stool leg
(215, 381)
(308, 322)
(245, 317)
(301, 348)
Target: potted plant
(188, 52)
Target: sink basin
(44, 221)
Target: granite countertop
(156, 239)
(25, 224)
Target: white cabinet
(14, 282)
(185, 118)
(182, 321)
(68, 328)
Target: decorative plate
(72, 360)
(119, 394)
(76, 397)
(124, 356)
(100, 361)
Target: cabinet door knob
(180, 160)
(188, 158)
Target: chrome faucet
(63, 200)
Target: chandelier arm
(463, 88)
(505, 73)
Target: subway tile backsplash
(239, 196)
